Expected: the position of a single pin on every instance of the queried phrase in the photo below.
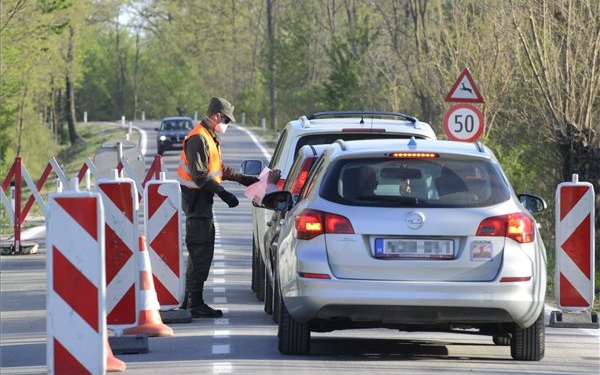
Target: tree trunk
(70, 95)
(271, 62)
(70, 112)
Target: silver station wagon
(412, 235)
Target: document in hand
(257, 190)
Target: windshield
(177, 125)
(441, 182)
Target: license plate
(414, 248)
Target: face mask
(221, 128)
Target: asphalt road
(244, 340)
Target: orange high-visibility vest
(214, 159)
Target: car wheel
(254, 285)
(294, 337)
(260, 292)
(276, 298)
(501, 340)
(268, 295)
(528, 344)
(160, 151)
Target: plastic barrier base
(175, 316)
(566, 319)
(27, 247)
(129, 344)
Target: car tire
(501, 340)
(260, 292)
(268, 295)
(276, 297)
(528, 344)
(160, 151)
(254, 284)
(294, 337)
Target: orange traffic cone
(113, 364)
(149, 322)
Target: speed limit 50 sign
(463, 122)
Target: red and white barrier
(163, 218)
(574, 276)
(119, 196)
(76, 322)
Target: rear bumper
(397, 303)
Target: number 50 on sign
(463, 122)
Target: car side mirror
(532, 203)
(251, 167)
(278, 200)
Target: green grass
(73, 157)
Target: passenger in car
(367, 181)
(359, 182)
(272, 180)
(449, 183)
(404, 187)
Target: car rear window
(327, 138)
(440, 182)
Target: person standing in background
(200, 174)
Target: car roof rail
(304, 122)
(342, 144)
(479, 146)
(362, 114)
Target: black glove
(228, 198)
(247, 180)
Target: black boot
(196, 304)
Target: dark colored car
(171, 133)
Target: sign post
(464, 90)
(464, 122)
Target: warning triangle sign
(464, 90)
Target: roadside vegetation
(71, 159)
(536, 63)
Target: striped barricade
(76, 321)
(163, 218)
(119, 196)
(574, 272)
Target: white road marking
(222, 368)
(223, 333)
(221, 349)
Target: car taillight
(280, 184)
(301, 179)
(517, 226)
(311, 223)
(414, 155)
